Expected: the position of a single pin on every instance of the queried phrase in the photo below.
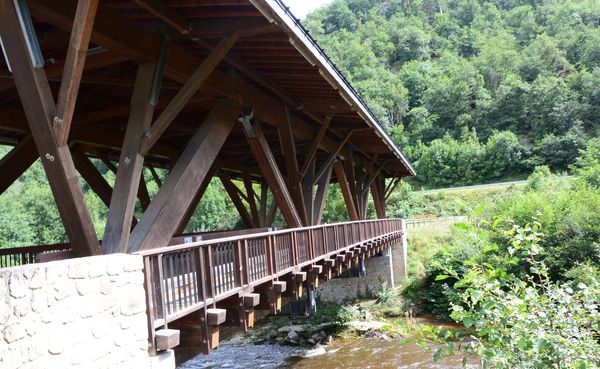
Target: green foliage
(526, 321)
(336, 314)
(587, 165)
(433, 69)
(569, 214)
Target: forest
(472, 91)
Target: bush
(526, 322)
(587, 165)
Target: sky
(302, 7)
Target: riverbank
(340, 336)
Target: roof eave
(276, 12)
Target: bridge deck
(186, 278)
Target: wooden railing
(184, 278)
(16, 256)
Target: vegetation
(526, 320)
(472, 90)
(523, 275)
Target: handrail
(159, 250)
(185, 278)
(15, 256)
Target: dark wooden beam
(262, 209)
(235, 197)
(314, 147)
(76, 55)
(155, 176)
(172, 201)
(16, 162)
(377, 193)
(293, 178)
(184, 95)
(251, 198)
(308, 190)
(115, 32)
(340, 174)
(321, 196)
(166, 14)
(371, 177)
(332, 157)
(264, 157)
(131, 164)
(92, 176)
(216, 28)
(39, 106)
(392, 187)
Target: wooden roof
(275, 67)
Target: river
(346, 353)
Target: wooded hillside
(472, 90)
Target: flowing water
(346, 353)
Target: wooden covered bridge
(228, 89)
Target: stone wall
(79, 313)
(389, 268)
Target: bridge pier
(371, 272)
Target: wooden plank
(345, 188)
(16, 162)
(127, 181)
(71, 78)
(331, 158)
(268, 166)
(172, 201)
(166, 14)
(184, 95)
(38, 103)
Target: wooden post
(39, 106)
(122, 203)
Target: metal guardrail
(185, 278)
(417, 222)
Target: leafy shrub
(528, 322)
(587, 165)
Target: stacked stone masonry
(79, 313)
(388, 268)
